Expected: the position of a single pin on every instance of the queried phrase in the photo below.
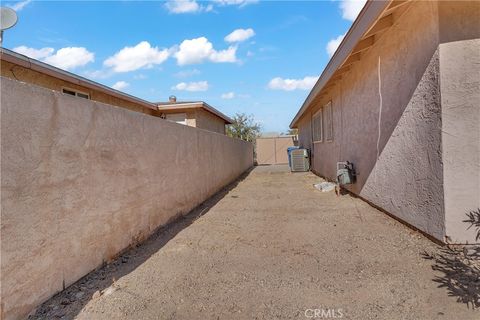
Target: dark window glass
(82, 95)
(72, 93)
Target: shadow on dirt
(460, 273)
(68, 303)
(460, 268)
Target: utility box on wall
(345, 173)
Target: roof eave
(227, 119)
(24, 61)
(369, 14)
(195, 104)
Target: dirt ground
(273, 247)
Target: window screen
(70, 92)
(177, 117)
(82, 95)
(317, 126)
(328, 121)
(76, 93)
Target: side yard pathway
(272, 247)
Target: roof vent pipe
(172, 99)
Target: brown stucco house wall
(208, 121)
(22, 68)
(404, 87)
(19, 67)
(198, 114)
(190, 115)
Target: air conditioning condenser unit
(300, 160)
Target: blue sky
(257, 57)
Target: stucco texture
(13, 71)
(198, 118)
(189, 115)
(387, 118)
(406, 179)
(460, 95)
(81, 181)
(208, 121)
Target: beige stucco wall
(20, 73)
(305, 131)
(208, 121)
(406, 178)
(82, 180)
(458, 20)
(199, 118)
(265, 151)
(460, 96)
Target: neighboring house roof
(375, 17)
(29, 63)
(273, 134)
(262, 136)
(183, 105)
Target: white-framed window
(76, 93)
(328, 114)
(180, 118)
(317, 126)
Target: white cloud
(34, 53)
(228, 95)
(120, 85)
(65, 58)
(200, 49)
(20, 5)
(278, 83)
(208, 8)
(351, 8)
(240, 3)
(182, 6)
(143, 55)
(228, 55)
(191, 86)
(194, 51)
(240, 35)
(333, 44)
(187, 73)
(192, 6)
(70, 58)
